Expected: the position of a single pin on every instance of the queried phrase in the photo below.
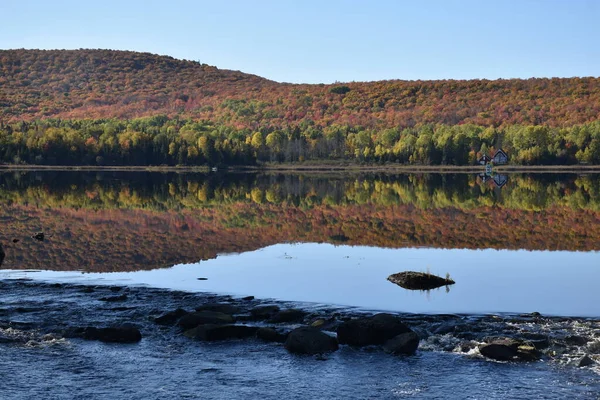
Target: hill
(37, 84)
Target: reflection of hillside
(128, 240)
(130, 221)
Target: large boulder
(213, 332)
(413, 280)
(171, 317)
(375, 330)
(192, 320)
(116, 334)
(309, 340)
(509, 350)
(404, 343)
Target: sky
(325, 41)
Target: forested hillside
(103, 107)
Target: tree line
(160, 140)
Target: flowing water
(324, 243)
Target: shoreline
(319, 168)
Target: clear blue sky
(328, 40)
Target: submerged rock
(374, 330)
(405, 343)
(419, 280)
(213, 332)
(309, 340)
(192, 320)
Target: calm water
(516, 244)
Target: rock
(309, 340)
(119, 334)
(213, 332)
(290, 315)
(248, 298)
(374, 330)
(224, 308)
(122, 297)
(537, 340)
(509, 350)
(419, 280)
(264, 312)
(330, 324)
(2, 254)
(575, 340)
(586, 361)
(527, 352)
(192, 320)
(115, 288)
(500, 350)
(16, 240)
(171, 317)
(405, 343)
(202, 279)
(270, 335)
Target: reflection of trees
(190, 191)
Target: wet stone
(192, 320)
(171, 317)
(308, 340)
(264, 312)
(270, 335)
(373, 330)
(585, 361)
(403, 344)
(290, 315)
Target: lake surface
(514, 244)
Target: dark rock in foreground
(419, 280)
(213, 332)
(119, 334)
(375, 330)
(192, 320)
(405, 343)
(308, 340)
(509, 350)
(585, 361)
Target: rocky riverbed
(38, 320)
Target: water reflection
(128, 221)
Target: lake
(324, 242)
